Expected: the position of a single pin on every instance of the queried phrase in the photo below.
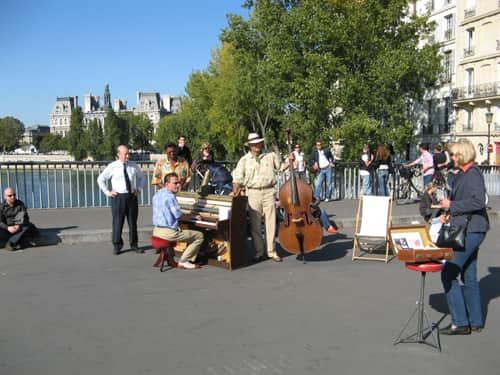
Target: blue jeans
(366, 182)
(464, 303)
(325, 174)
(382, 178)
(428, 179)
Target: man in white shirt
(127, 182)
(299, 164)
(322, 161)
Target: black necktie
(127, 179)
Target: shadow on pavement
(489, 286)
(51, 236)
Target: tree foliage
(328, 69)
(75, 135)
(11, 131)
(115, 134)
(51, 142)
(93, 140)
(140, 130)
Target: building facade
(477, 93)
(468, 32)
(435, 116)
(31, 133)
(151, 104)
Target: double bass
(300, 232)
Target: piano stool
(163, 246)
(422, 333)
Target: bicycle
(407, 184)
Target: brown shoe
(276, 258)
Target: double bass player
(256, 172)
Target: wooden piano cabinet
(223, 224)
(412, 244)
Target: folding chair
(371, 234)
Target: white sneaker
(327, 200)
(187, 266)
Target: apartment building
(435, 116)
(476, 97)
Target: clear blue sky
(51, 48)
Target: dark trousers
(26, 233)
(124, 205)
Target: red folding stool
(422, 333)
(163, 246)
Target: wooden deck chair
(371, 234)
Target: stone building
(34, 131)
(477, 93)
(151, 104)
(465, 101)
(435, 116)
(60, 117)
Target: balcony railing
(448, 34)
(468, 52)
(471, 12)
(477, 91)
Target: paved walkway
(75, 225)
(79, 310)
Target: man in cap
(256, 172)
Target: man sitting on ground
(15, 226)
(166, 214)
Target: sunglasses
(11, 195)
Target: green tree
(115, 134)
(93, 140)
(11, 131)
(140, 130)
(315, 65)
(51, 142)
(75, 135)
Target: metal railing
(74, 184)
(469, 51)
(476, 91)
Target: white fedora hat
(254, 138)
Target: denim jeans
(428, 179)
(366, 183)
(382, 178)
(325, 174)
(464, 303)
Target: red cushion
(425, 267)
(160, 243)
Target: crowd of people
(462, 203)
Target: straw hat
(254, 138)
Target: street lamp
(489, 119)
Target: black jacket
(468, 197)
(15, 215)
(315, 156)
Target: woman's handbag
(453, 235)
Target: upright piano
(223, 223)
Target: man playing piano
(166, 214)
(256, 172)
